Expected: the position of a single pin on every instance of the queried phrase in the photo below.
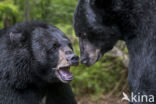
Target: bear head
(40, 52)
(95, 24)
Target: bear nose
(73, 59)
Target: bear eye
(55, 46)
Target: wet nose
(73, 59)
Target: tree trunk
(6, 22)
(27, 10)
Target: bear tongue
(65, 74)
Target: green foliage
(100, 78)
(7, 9)
(51, 11)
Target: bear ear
(18, 37)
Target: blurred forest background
(104, 82)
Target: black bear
(99, 24)
(35, 60)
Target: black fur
(28, 52)
(134, 21)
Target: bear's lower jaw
(91, 60)
(64, 74)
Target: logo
(125, 97)
(138, 98)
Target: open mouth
(64, 73)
